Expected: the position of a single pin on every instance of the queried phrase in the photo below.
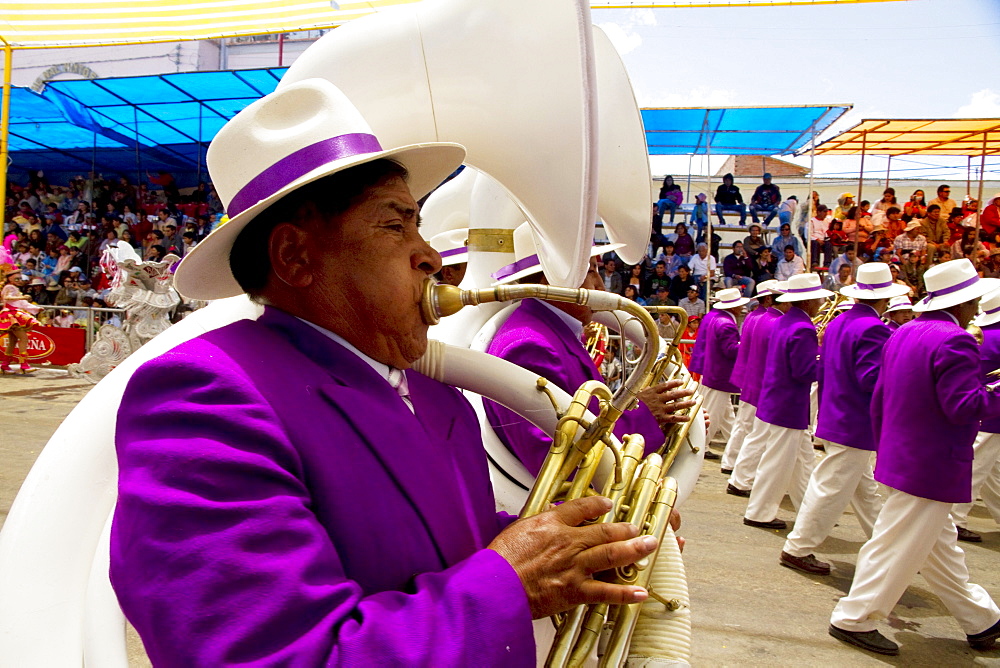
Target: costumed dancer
(546, 338)
(719, 344)
(850, 359)
(926, 409)
(766, 292)
(784, 405)
(758, 365)
(899, 313)
(17, 317)
(986, 463)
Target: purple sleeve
(802, 351)
(960, 392)
(729, 341)
(217, 557)
(869, 357)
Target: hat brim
(984, 319)
(600, 249)
(457, 258)
(901, 307)
(981, 287)
(894, 290)
(728, 305)
(204, 273)
(818, 293)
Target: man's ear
(288, 249)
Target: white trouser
(719, 407)
(785, 466)
(745, 468)
(913, 534)
(986, 462)
(741, 430)
(843, 476)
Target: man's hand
(555, 557)
(665, 400)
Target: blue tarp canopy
(736, 130)
(129, 125)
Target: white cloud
(642, 17)
(983, 104)
(624, 40)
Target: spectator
(916, 207)
(894, 225)
(661, 297)
(612, 279)
(878, 242)
(836, 236)
(766, 198)
(934, 229)
(659, 277)
(699, 216)
(683, 242)
(611, 367)
(126, 237)
(786, 239)
(897, 278)
(911, 240)
(738, 270)
(943, 199)
(634, 277)
(790, 265)
(157, 252)
(671, 197)
(911, 272)
(48, 264)
(764, 265)
(989, 221)
(632, 292)
(850, 257)
(835, 281)
(728, 198)
(671, 261)
(991, 267)
(666, 325)
(64, 319)
(787, 209)
(755, 242)
(694, 306)
(844, 203)
(969, 246)
(679, 284)
(703, 268)
(110, 241)
(888, 200)
(818, 240)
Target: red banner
(55, 345)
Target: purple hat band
(947, 291)
(292, 167)
(454, 251)
(992, 310)
(874, 286)
(511, 269)
(729, 301)
(812, 289)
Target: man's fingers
(595, 591)
(606, 532)
(575, 512)
(675, 519)
(612, 555)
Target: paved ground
(748, 610)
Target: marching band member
(719, 341)
(745, 468)
(766, 293)
(850, 359)
(899, 313)
(926, 409)
(290, 494)
(546, 338)
(784, 403)
(453, 247)
(986, 462)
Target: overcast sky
(911, 59)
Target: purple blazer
(892, 325)
(535, 338)
(784, 392)
(758, 356)
(280, 505)
(720, 339)
(926, 410)
(743, 354)
(989, 354)
(850, 359)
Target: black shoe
(984, 641)
(968, 536)
(807, 564)
(726, 471)
(711, 455)
(873, 641)
(736, 491)
(773, 524)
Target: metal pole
(8, 59)
(809, 197)
(979, 199)
(968, 175)
(138, 166)
(200, 114)
(888, 165)
(708, 160)
(857, 202)
(281, 50)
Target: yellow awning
(938, 136)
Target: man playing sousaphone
(289, 492)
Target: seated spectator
(911, 240)
(699, 216)
(894, 225)
(612, 279)
(888, 200)
(48, 264)
(790, 265)
(766, 198)
(703, 268)
(935, 230)
(679, 284)
(835, 281)
(991, 266)
(943, 200)
(126, 237)
(764, 265)
(836, 236)
(738, 270)
(632, 292)
(683, 242)
(30, 269)
(850, 257)
(659, 277)
(156, 253)
(989, 221)
(819, 243)
(713, 246)
(877, 242)
(915, 207)
(911, 272)
(898, 279)
(844, 204)
(633, 277)
(671, 260)
(110, 241)
(755, 242)
(76, 240)
(666, 325)
(728, 198)
(37, 293)
(969, 246)
(671, 197)
(690, 334)
(64, 319)
(611, 367)
(786, 239)
(661, 297)
(694, 306)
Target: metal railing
(93, 317)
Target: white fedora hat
(729, 298)
(526, 251)
(989, 309)
(901, 303)
(846, 304)
(874, 281)
(801, 287)
(951, 283)
(285, 140)
(452, 246)
(769, 287)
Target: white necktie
(398, 381)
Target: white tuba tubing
(615, 320)
(104, 623)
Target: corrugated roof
(935, 136)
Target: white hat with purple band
(526, 260)
(874, 281)
(453, 246)
(901, 303)
(729, 298)
(989, 309)
(952, 283)
(283, 141)
(768, 287)
(801, 287)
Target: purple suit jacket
(535, 338)
(849, 365)
(279, 505)
(720, 338)
(989, 354)
(892, 325)
(746, 341)
(758, 356)
(926, 410)
(784, 393)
